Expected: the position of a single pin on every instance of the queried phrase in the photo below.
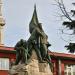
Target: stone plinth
(33, 68)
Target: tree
(70, 24)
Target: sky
(18, 13)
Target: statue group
(37, 41)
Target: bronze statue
(33, 41)
(37, 41)
(44, 44)
(21, 52)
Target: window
(4, 64)
(69, 69)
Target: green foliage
(71, 47)
(70, 25)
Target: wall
(6, 55)
(3, 72)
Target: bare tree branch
(63, 9)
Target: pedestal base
(33, 68)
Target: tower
(2, 24)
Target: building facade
(7, 56)
(63, 64)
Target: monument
(32, 56)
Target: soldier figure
(33, 42)
(21, 52)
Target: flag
(34, 21)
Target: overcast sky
(18, 13)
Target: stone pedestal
(33, 68)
